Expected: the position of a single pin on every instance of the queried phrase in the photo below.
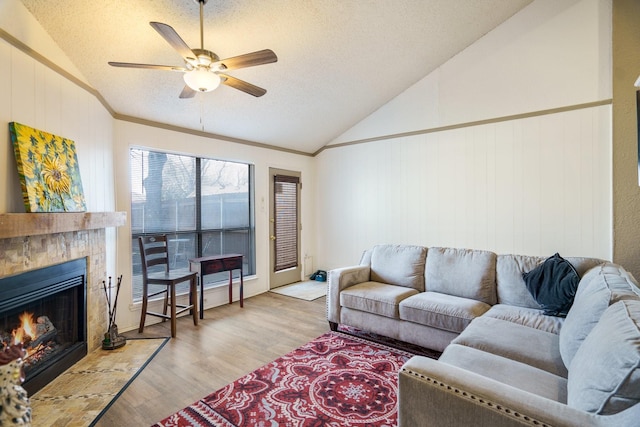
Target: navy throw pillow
(553, 284)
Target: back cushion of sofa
(599, 288)
(582, 264)
(365, 259)
(401, 265)
(510, 284)
(604, 376)
(466, 273)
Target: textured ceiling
(338, 60)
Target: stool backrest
(153, 251)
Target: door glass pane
(286, 222)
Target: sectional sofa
(504, 362)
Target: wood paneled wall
(536, 185)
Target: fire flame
(27, 329)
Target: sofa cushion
(507, 371)
(517, 342)
(599, 288)
(531, 317)
(583, 264)
(365, 259)
(401, 265)
(463, 273)
(510, 283)
(604, 376)
(553, 284)
(441, 311)
(375, 297)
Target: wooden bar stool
(153, 252)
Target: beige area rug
(80, 395)
(307, 290)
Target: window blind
(286, 221)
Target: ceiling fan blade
(187, 92)
(242, 85)
(170, 35)
(151, 66)
(260, 57)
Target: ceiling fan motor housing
(204, 57)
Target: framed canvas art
(48, 169)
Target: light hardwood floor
(227, 344)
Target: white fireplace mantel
(33, 224)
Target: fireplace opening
(45, 309)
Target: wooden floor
(227, 344)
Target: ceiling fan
(203, 69)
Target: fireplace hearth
(45, 309)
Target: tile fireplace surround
(31, 241)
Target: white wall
(533, 185)
(129, 134)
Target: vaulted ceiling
(338, 60)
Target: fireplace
(46, 310)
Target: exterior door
(284, 227)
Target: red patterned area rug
(335, 380)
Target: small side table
(216, 264)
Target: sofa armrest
(433, 393)
(340, 279)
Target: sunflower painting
(48, 169)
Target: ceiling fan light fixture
(202, 80)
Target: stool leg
(166, 303)
(173, 311)
(201, 280)
(241, 289)
(143, 310)
(193, 299)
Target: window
(204, 206)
